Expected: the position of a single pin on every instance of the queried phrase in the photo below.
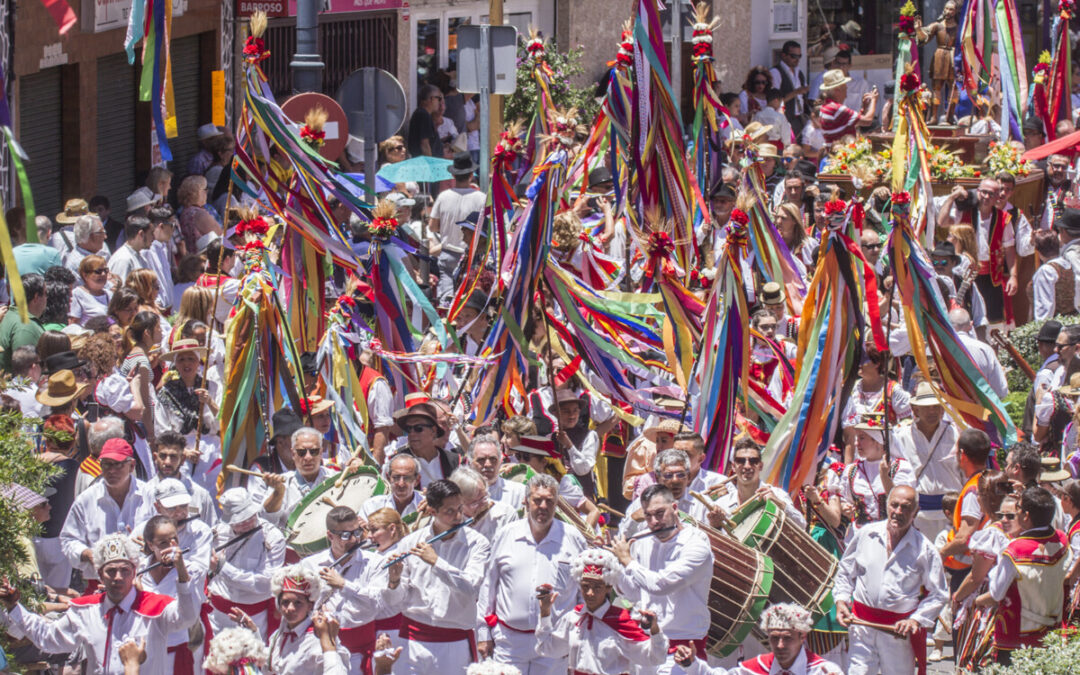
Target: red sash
(251, 609)
(761, 665)
(411, 629)
(493, 620)
(918, 638)
(618, 619)
(361, 640)
(183, 660)
(392, 623)
(995, 267)
(697, 645)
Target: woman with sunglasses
(998, 501)
(752, 96)
(92, 297)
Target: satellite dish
(374, 104)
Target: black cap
(1049, 331)
(470, 221)
(1033, 125)
(806, 167)
(945, 249)
(285, 422)
(309, 363)
(478, 300)
(722, 190)
(61, 361)
(463, 165)
(600, 174)
(1070, 222)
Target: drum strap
(874, 615)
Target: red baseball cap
(117, 449)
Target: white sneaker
(936, 655)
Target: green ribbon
(17, 155)
(903, 57)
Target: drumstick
(246, 472)
(329, 502)
(605, 507)
(870, 624)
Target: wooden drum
(742, 579)
(306, 533)
(804, 569)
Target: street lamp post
(307, 64)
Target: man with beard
(536, 551)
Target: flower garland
(1006, 157)
(254, 225)
(255, 49)
(383, 223)
(906, 24)
(313, 138)
(702, 38)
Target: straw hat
(834, 78)
(62, 389)
(419, 405)
(1072, 388)
(924, 395)
(541, 446)
(768, 150)
(73, 210)
(565, 396)
(182, 346)
(1052, 471)
(314, 405)
(772, 293)
(664, 426)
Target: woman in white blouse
(91, 298)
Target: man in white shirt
(789, 78)
(526, 554)
(357, 585)
(672, 469)
(701, 479)
(452, 207)
(928, 445)
(402, 472)
(117, 503)
(671, 571)
(100, 623)
(294, 647)
(158, 254)
(247, 551)
(88, 238)
(488, 516)
(438, 618)
(485, 455)
(309, 473)
(129, 257)
(882, 577)
(168, 458)
(983, 354)
(746, 458)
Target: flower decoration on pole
(625, 56)
(383, 223)
(509, 145)
(1041, 71)
(312, 132)
(254, 47)
(906, 26)
(563, 128)
(704, 28)
(536, 47)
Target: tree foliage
(567, 67)
(1058, 656)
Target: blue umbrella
(381, 184)
(421, 169)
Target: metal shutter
(187, 78)
(40, 128)
(116, 130)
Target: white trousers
(433, 658)
(931, 524)
(52, 563)
(874, 651)
(514, 648)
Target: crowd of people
(565, 536)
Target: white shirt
(296, 488)
(508, 492)
(597, 649)
(201, 501)
(170, 586)
(1044, 286)
(298, 651)
(498, 516)
(366, 593)
(444, 594)
(862, 402)
(984, 357)
(386, 501)
(85, 305)
(86, 626)
(1003, 574)
(801, 666)
(629, 527)
(519, 564)
(729, 502)
(781, 128)
(245, 575)
(157, 259)
(982, 234)
(673, 576)
(379, 403)
(870, 574)
(450, 208)
(797, 78)
(125, 261)
(932, 460)
(95, 514)
(73, 258)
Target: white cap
(400, 200)
(171, 493)
(207, 131)
(238, 506)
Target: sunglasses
(752, 461)
(417, 428)
(1007, 516)
(346, 535)
(941, 263)
(761, 81)
(305, 452)
(674, 475)
(100, 270)
(873, 247)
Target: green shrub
(567, 68)
(1024, 339)
(1059, 656)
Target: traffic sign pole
(370, 139)
(307, 65)
(485, 102)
